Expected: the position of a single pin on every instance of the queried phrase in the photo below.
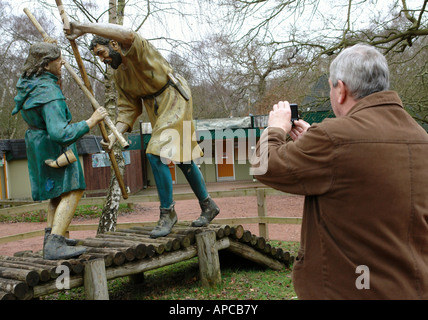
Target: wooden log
(260, 243)
(76, 266)
(252, 254)
(43, 266)
(95, 280)
(139, 247)
(286, 257)
(51, 286)
(253, 240)
(221, 230)
(128, 251)
(185, 240)
(117, 255)
(237, 231)
(30, 277)
(176, 230)
(209, 262)
(18, 288)
(159, 246)
(108, 258)
(169, 244)
(246, 237)
(267, 248)
(7, 296)
(37, 262)
(273, 251)
(226, 228)
(44, 274)
(73, 264)
(159, 261)
(262, 212)
(279, 253)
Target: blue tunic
(42, 106)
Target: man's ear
(343, 91)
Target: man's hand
(300, 127)
(122, 128)
(74, 32)
(280, 116)
(108, 146)
(98, 115)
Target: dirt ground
(277, 206)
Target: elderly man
(55, 172)
(142, 75)
(365, 180)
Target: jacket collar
(377, 99)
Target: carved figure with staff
(143, 76)
(54, 168)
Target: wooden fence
(262, 219)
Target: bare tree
(109, 214)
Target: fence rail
(263, 220)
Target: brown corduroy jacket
(365, 220)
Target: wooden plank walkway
(131, 251)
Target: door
(172, 167)
(225, 161)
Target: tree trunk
(108, 218)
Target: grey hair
(362, 68)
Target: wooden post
(209, 262)
(261, 210)
(95, 280)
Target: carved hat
(41, 53)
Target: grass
(82, 211)
(241, 280)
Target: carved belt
(172, 81)
(155, 95)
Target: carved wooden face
(54, 66)
(108, 55)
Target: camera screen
(294, 111)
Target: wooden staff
(88, 93)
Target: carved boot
(209, 211)
(55, 248)
(69, 242)
(168, 217)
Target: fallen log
(108, 258)
(44, 274)
(185, 240)
(170, 244)
(159, 247)
(252, 254)
(30, 277)
(237, 232)
(175, 232)
(117, 255)
(73, 264)
(246, 236)
(18, 288)
(128, 251)
(7, 296)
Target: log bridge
(131, 252)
